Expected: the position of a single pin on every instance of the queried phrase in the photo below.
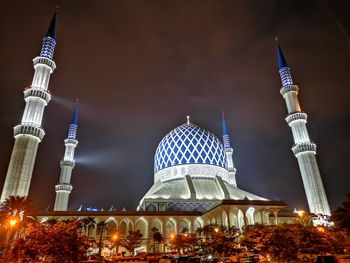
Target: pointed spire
(75, 113)
(225, 136)
(224, 126)
(282, 63)
(51, 32)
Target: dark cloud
(139, 67)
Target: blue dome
(189, 144)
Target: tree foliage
(88, 224)
(210, 239)
(157, 239)
(17, 206)
(132, 241)
(47, 242)
(341, 216)
(285, 242)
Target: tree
(60, 242)
(157, 238)
(215, 239)
(256, 237)
(287, 241)
(282, 243)
(88, 223)
(102, 227)
(132, 241)
(19, 207)
(179, 244)
(17, 210)
(341, 216)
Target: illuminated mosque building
(193, 170)
(194, 173)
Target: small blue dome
(189, 144)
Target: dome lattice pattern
(189, 144)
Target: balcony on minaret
(37, 92)
(63, 187)
(29, 129)
(289, 88)
(297, 116)
(304, 147)
(46, 61)
(67, 163)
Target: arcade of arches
(228, 213)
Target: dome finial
(188, 119)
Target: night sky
(139, 67)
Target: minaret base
(315, 193)
(21, 165)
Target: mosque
(194, 173)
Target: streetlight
(115, 239)
(12, 222)
(321, 229)
(216, 229)
(301, 214)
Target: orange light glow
(321, 229)
(12, 222)
(301, 213)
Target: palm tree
(102, 227)
(88, 223)
(17, 206)
(16, 209)
(157, 238)
(132, 241)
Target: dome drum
(193, 170)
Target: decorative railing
(67, 163)
(296, 116)
(46, 61)
(37, 92)
(29, 129)
(304, 147)
(289, 88)
(63, 188)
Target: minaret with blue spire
(228, 152)
(303, 149)
(64, 187)
(29, 133)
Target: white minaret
(64, 187)
(29, 133)
(303, 149)
(229, 153)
